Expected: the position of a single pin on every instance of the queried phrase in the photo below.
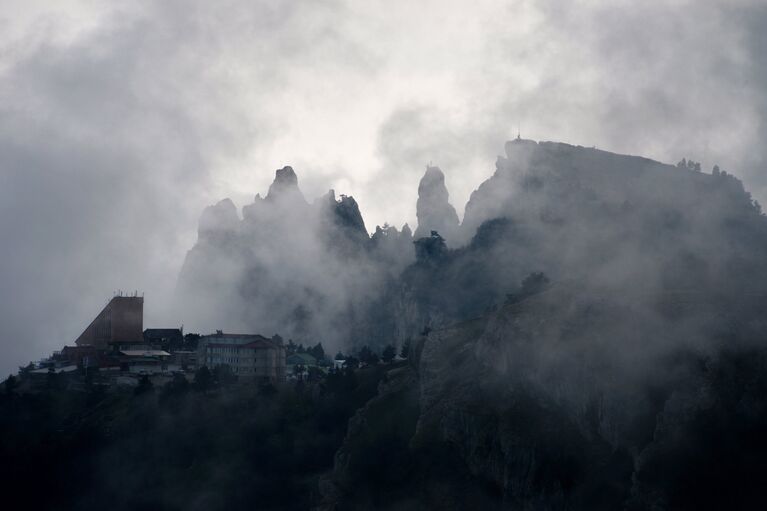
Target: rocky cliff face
(620, 222)
(550, 179)
(285, 186)
(623, 379)
(434, 211)
(343, 221)
(218, 220)
(308, 271)
(568, 399)
(617, 221)
(592, 343)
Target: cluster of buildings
(115, 348)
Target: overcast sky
(120, 121)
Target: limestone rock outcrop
(433, 209)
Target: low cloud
(118, 125)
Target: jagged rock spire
(345, 217)
(433, 209)
(285, 184)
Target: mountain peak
(285, 183)
(433, 173)
(433, 209)
(345, 214)
(218, 218)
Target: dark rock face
(596, 344)
(433, 209)
(308, 271)
(285, 184)
(394, 248)
(430, 248)
(343, 217)
(550, 179)
(596, 333)
(218, 219)
(627, 222)
(570, 400)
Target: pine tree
(388, 354)
(404, 352)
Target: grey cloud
(754, 18)
(106, 145)
(114, 140)
(661, 80)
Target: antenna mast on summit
(519, 131)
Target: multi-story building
(251, 357)
(185, 359)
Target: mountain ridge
(622, 220)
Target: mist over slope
(599, 343)
(627, 224)
(590, 337)
(307, 270)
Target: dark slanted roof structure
(120, 321)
